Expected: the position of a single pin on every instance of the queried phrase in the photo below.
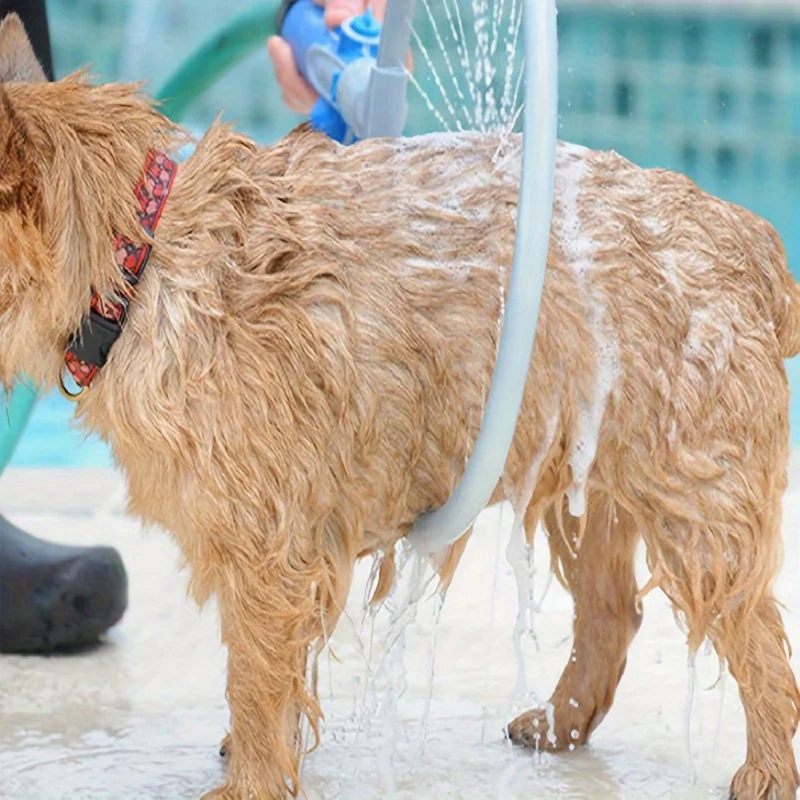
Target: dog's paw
(532, 729)
(755, 782)
(225, 746)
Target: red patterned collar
(89, 348)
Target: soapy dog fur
(307, 357)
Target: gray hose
(435, 530)
(387, 106)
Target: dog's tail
(784, 292)
(787, 320)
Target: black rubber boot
(56, 597)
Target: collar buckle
(93, 343)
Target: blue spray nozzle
(366, 27)
(303, 28)
(345, 68)
(326, 119)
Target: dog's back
(659, 301)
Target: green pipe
(216, 56)
(18, 410)
(199, 72)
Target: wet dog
(302, 367)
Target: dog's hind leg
(719, 576)
(598, 568)
(755, 645)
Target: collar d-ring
(72, 396)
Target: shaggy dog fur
(306, 361)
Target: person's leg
(52, 596)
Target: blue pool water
(51, 441)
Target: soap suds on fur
(578, 247)
(523, 499)
(711, 337)
(462, 194)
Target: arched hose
(434, 531)
(439, 528)
(198, 73)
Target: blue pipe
(313, 48)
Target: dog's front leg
(270, 616)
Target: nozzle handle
(303, 27)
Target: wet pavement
(142, 715)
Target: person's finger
(337, 11)
(294, 104)
(292, 83)
(300, 105)
(378, 9)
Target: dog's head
(24, 269)
(70, 156)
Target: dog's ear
(19, 177)
(18, 62)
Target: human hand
(297, 93)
